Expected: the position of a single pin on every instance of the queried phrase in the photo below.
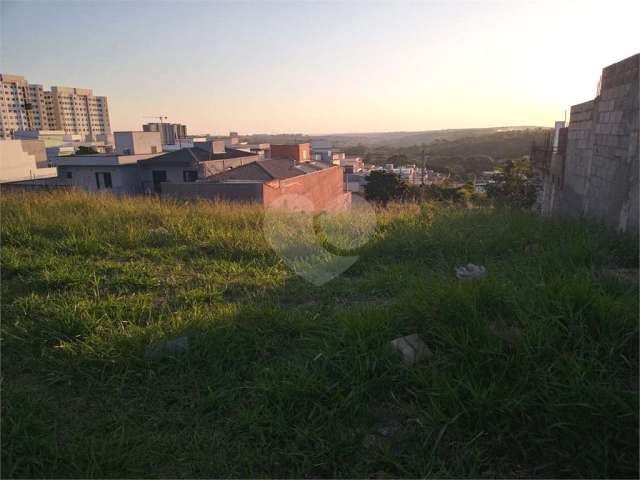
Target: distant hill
(388, 139)
(462, 152)
(463, 156)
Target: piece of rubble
(470, 272)
(155, 351)
(412, 347)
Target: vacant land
(534, 369)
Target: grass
(286, 379)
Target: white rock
(412, 347)
(470, 272)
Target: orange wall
(324, 189)
(300, 152)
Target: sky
(322, 67)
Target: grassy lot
(534, 373)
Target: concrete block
(412, 348)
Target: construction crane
(159, 117)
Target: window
(189, 175)
(103, 180)
(158, 176)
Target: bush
(383, 187)
(513, 186)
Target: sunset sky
(322, 67)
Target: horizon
(247, 67)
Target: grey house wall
(232, 192)
(175, 174)
(125, 179)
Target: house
(190, 164)
(102, 173)
(349, 164)
(58, 143)
(137, 143)
(170, 133)
(297, 152)
(307, 186)
(263, 150)
(148, 172)
(24, 161)
(321, 150)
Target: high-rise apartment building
(73, 110)
(22, 106)
(77, 110)
(169, 132)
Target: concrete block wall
(601, 169)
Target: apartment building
(25, 106)
(78, 111)
(22, 106)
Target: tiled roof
(265, 170)
(192, 155)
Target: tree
(513, 185)
(384, 186)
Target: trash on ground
(470, 272)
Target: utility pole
(422, 168)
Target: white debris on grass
(470, 272)
(412, 347)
